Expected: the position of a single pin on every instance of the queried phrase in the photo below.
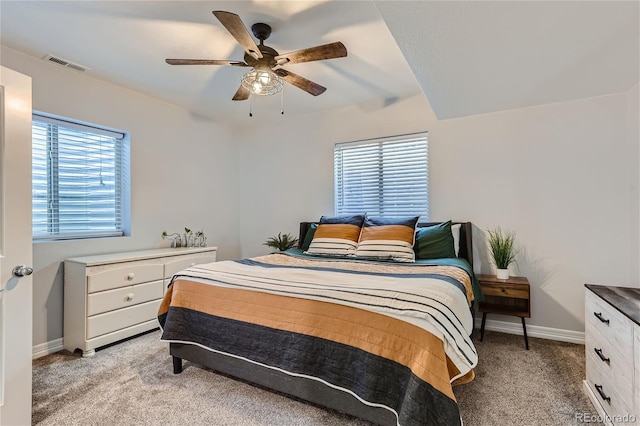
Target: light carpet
(132, 383)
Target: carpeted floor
(132, 383)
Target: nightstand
(505, 297)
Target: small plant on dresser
(188, 239)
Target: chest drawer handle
(599, 316)
(130, 276)
(130, 297)
(602, 394)
(602, 357)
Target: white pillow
(455, 230)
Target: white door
(16, 247)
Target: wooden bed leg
(177, 365)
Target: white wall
(287, 165)
(559, 175)
(183, 174)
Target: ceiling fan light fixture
(263, 82)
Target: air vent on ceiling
(65, 63)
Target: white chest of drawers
(114, 296)
(612, 345)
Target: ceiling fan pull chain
(250, 106)
(282, 101)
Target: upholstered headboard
(466, 246)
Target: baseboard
(47, 348)
(559, 334)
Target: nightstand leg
(484, 318)
(524, 329)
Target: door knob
(22, 270)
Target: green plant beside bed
(281, 241)
(502, 246)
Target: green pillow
(309, 236)
(434, 242)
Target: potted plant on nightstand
(281, 241)
(503, 251)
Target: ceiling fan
(267, 74)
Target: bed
(382, 341)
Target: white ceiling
(126, 42)
(473, 57)
(468, 57)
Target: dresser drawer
(612, 325)
(122, 318)
(636, 396)
(109, 300)
(610, 363)
(123, 275)
(173, 266)
(616, 405)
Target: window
(80, 176)
(383, 177)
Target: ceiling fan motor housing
(268, 55)
(261, 31)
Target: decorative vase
(502, 274)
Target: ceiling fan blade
(204, 62)
(318, 53)
(300, 82)
(237, 29)
(242, 94)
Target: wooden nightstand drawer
(517, 291)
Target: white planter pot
(502, 274)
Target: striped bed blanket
(393, 335)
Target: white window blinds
(383, 177)
(77, 180)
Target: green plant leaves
(502, 245)
(281, 241)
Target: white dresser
(114, 296)
(612, 345)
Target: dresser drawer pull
(130, 297)
(130, 276)
(599, 316)
(602, 394)
(602, 357)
